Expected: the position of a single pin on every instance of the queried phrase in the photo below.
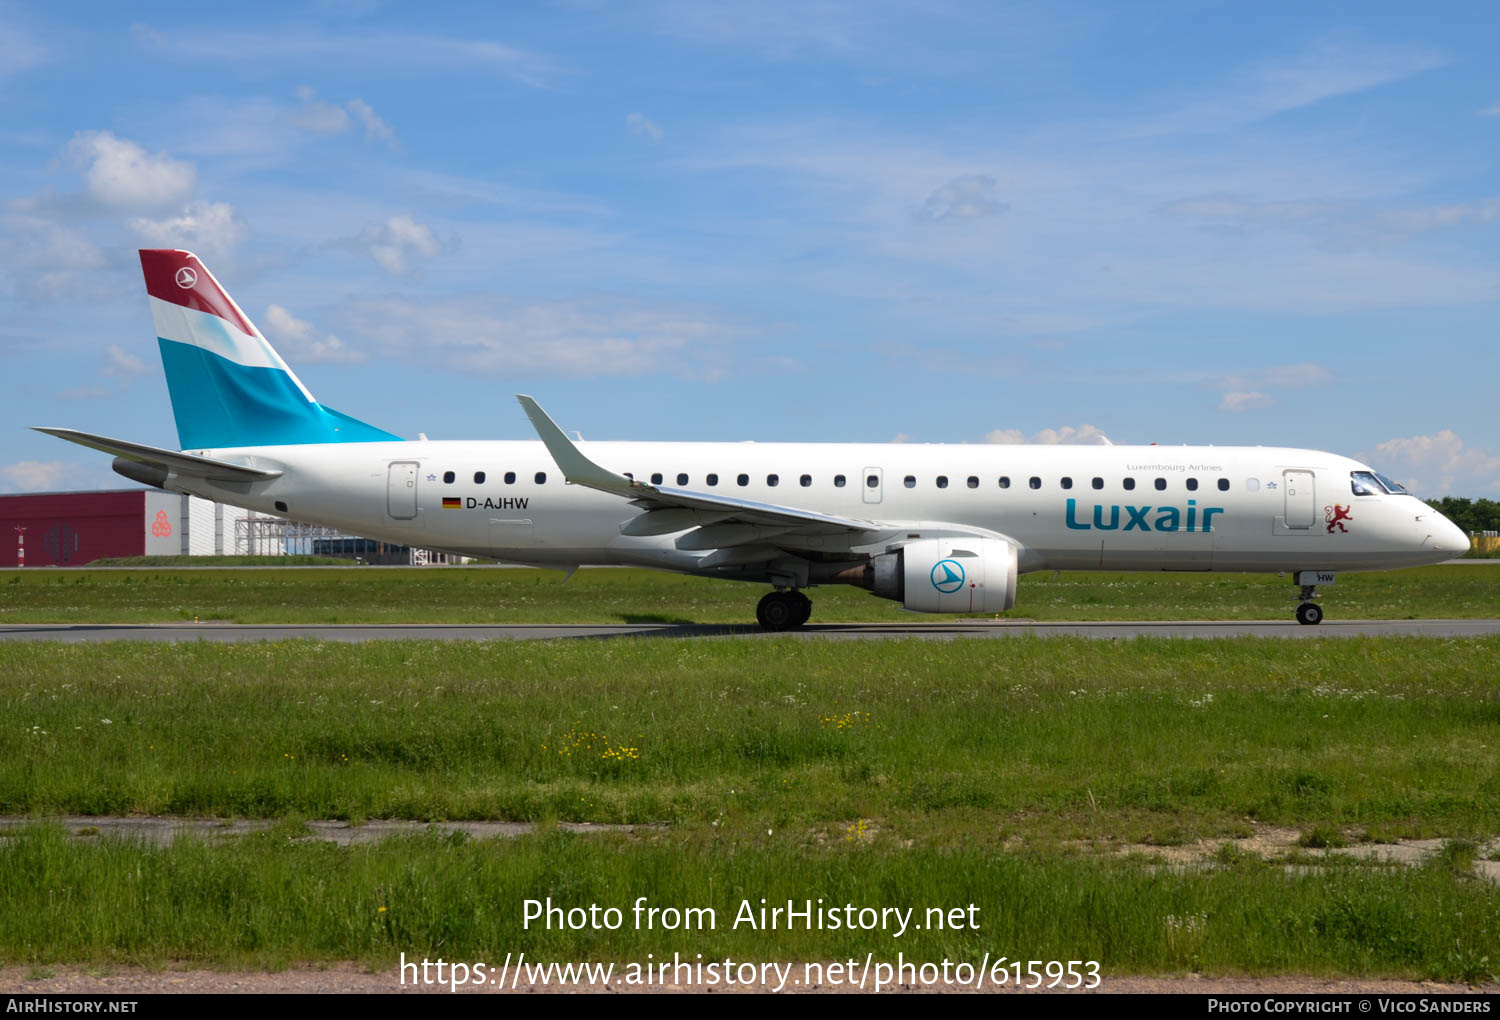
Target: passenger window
(1067, 483)
(712, 479)
(1223, 485)
(742, 480)
(510, 478)
(1005, 481)
(656, 478)
(682, 478)
(773, 480)
(806, 480)
(942, 481)
(872, 482)
(1192, 484)
(1098, 483)
(541, 478)
(973, 481)
(1129, 484)
(1035, 482)
(448, 477)
(910, 481)
(1161, 483)
(478, 477)
(838, 481)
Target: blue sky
(1190, 222)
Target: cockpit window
(1369, 483)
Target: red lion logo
(1336, 515)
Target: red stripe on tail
(179, 277)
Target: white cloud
(1441, 464)
(1068, 435)
(585, 338)
(319, 116)
(211, 228)
(1490, 111)
(640, 125)
(375, 126)
(393, 243)
(298, 340)
(121, 364)
(1338, 226)
(122, 174)
(37, 475)
(1238, 401)
(45, 260)
(365, 52)
(970, 197)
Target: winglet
(576, 468)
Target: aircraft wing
(671, 509)
(187, 464)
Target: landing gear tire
(804, 608)
(783, 610)
(1309, 613)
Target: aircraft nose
(1457, 537)
(1449, 537)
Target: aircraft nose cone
(1451, 538)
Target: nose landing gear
(783, 610)
(1308, 611)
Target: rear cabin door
(401, 490)
(1300, 498)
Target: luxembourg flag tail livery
(229, 387)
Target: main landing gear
(783, 610)
(1309, 611)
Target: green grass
(264, 901)
(1049, 740)
(886, 773)
(460, 595)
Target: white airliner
(938, 528)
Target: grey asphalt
(179, 632)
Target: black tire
(804, 608)
(1309, 613)
(776, 611)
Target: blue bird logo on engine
(948, 576)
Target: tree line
(1469, 514)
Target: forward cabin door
(401, 490)
(1301, 498)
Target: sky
(1177, 222)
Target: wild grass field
(1050, 740)
(1038, 779)
(470, 595)
(267, 901)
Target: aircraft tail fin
(228, 385)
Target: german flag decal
(452, 503)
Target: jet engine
(944, 575)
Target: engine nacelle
(948, 575)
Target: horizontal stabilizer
(178, 463)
